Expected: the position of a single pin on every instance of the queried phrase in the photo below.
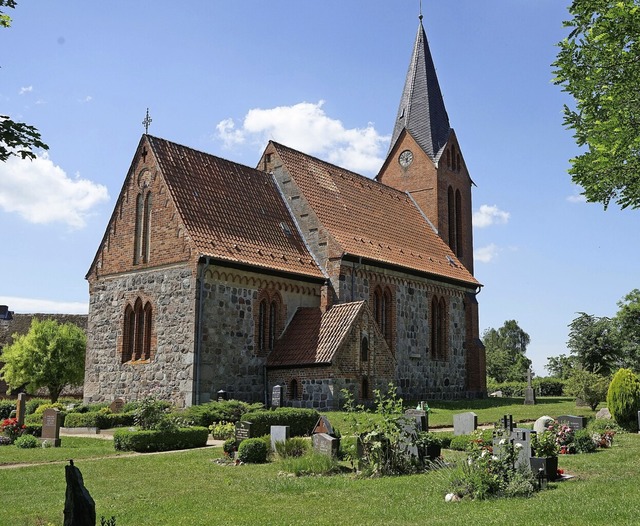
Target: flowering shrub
(222, 430)
(545, 444)
(492, 472)
(604, 439)
(565, 437)
(11, 428)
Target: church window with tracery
(136, 332)
(438, 328)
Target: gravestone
(222, 395)
(541, 425)
(117, 405)
(574, 422)
(278, 434)
(20, 408)
(529, 392)
(420, 417)
(325, 444)
(51, 420)
(323, 426)
(522, 442)
(603, 414)
(277, 395)
(465, 423)
(243, 430)
(79, 506)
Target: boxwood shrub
(147, 441)
(253, 450)
(300, 421)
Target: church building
(213, 276)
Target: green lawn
(187, 488)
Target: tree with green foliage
(506, 350)
(587, 386)
(51, 355)
(598, 66)
(627, 322)
(623, 399)
(593, 341)
(16, 138)
(560, 366)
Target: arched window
(451, 209)
(438, 328)
(273, 323)
(383, 312)
(364, 388)
(128, 334)
(293, 390)
(146, 229)
(262, 327)
(138, 229)
(364, 349)
(137, 331)
(458, 215)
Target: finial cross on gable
(147, 120)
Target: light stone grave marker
(325, 444)
(278, 434)
(465, 423)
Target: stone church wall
(418, 375)
(169, 374)
(230, 360)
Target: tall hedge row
(166, 440)
(623, 399)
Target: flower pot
(548, 464)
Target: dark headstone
(574, 422)
(465, 423)
(117, 405)
(79, 506)
(20, 408)
(222, 395)
(277, 394)
(51, 420)
(323, 426)
(529, 396)
(278, 434)
(506, 423)
(325, 444)
(243, 430)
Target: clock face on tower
(405, 158)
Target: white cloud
(490, 215)
(25, 89)
(33, 306)
(41, 192)
(577, 198)
(486, 254)
(306, 127)
(87, 99)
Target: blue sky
(326, 78)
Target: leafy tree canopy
(628, 325)
(16, 138)
(561, 366)
(598, 65)
(593, 341)
(505, 351)
(50, 355)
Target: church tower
(424, 157)
(425, 160)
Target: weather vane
(147, 120)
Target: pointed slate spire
(422, 110)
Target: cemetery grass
(489, 410)
(70, 447)
(188, 488)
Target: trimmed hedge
(99, 420)
(300, 421)
(36, 419)
(148, 441)
(544, 386)
(223, 411)
(253, 451)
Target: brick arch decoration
(258, 283)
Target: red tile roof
(372, 220)
(313, 337)
(232, 212)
